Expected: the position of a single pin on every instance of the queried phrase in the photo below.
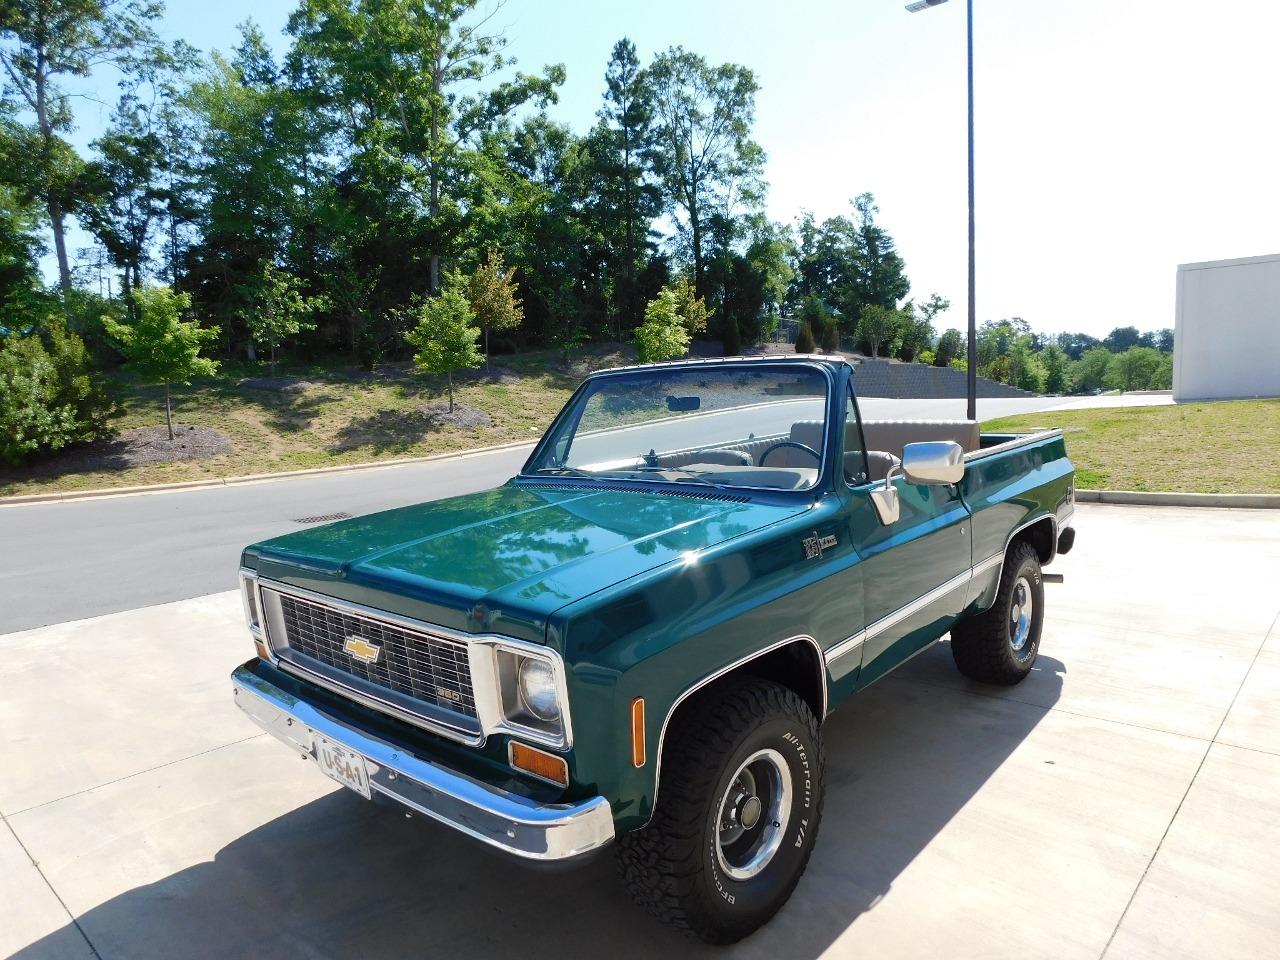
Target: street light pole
(972, 375)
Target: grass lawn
(1226, 447)
(345, 416)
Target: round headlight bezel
(538, 690)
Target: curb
(70, 495)
(1153, 499)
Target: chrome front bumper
(514, 824)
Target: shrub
(49, 397)
(664, 334)
(732, 340)
(804, 338)
(830, 336)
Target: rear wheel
(1000, 644)
(738, 813)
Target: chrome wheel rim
(753, 814)
(1021, 607)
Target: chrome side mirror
(933, 462)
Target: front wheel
(1000, 644)
(740, 803)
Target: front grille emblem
(362, 650)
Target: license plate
(345, 766)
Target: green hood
(505, 559)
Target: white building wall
(1227, 329)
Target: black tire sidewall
(1028, 566)
(732, 903)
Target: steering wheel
(790, 443)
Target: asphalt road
(64, 561)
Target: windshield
(727, 426)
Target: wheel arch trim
(715, 675)
(996, 560)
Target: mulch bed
(276, 384)
(134, 448)
(464, 416)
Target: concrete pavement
(81, 558)
(1121, 802)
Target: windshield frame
(569, 416)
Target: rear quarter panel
(1009, 489)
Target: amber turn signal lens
(637, 731)
(540, 763)
(261, 649)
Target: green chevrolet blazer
(636, 641)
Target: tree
(1164, 340)
(851, 263)
(879, 326)
(1075, 344)
(1054, 360)
(278, 310)
(829, 337)
(1121, 339)
(492, 292)
(732, 342)
(664, 335)
(704, 153)
(402, 85)
(158, 345)
(950, 346)
(258, 193)
(444, 336)
(42, 42)
(1089, 372)
(1135, 369)
(626, 121)
(804, 338)
(1024, 369)
(690, 307)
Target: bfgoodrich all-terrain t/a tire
(1000, 644)
(737, 815)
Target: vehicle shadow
(343, 878)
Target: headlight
(537, 687)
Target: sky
(1115, 139)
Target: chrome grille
(425, 668)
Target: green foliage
(880, 327)
(664, 335)
(277, 310)
(491, 289)
(732, 342)
(804, 338)
(850, 262)
(704, 154)
(829, 337)
(158, 345)
(49, 397)
(1135, 369)
(1089, 372)
(690, 308)
(444, 336)
(1054, 360)
(950, 346)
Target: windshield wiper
(569, 471)
(699, 478)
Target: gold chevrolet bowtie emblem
(362, 649)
